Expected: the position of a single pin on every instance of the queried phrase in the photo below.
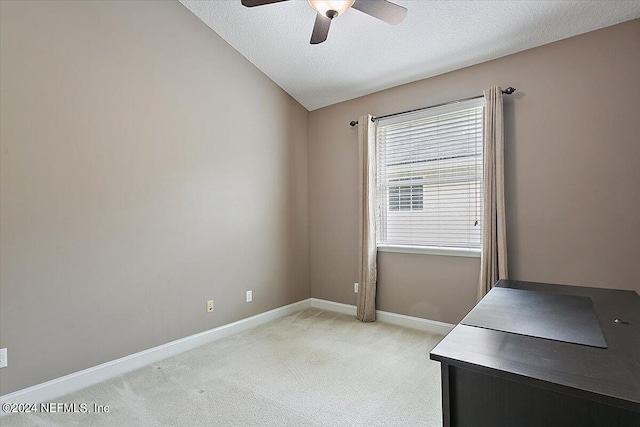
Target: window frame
(426, 249)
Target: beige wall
(146, 168)
(572, 176)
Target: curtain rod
(507, 91)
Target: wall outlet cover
(355, 288)
(249, 296)
(3, 358)
(209, 306)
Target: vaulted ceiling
(363, 55)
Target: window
(405, 198)
(429, 179)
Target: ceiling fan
(329, 9)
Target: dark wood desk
(495, 378)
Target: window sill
(430, 250)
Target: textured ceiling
(364, 55)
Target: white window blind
(429, 182)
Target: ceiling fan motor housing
(331, 14)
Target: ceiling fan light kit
(329, 9)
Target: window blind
(429, 177)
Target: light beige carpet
(312, 368)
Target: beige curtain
(493, 263)
(367, 275)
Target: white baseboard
(411, 322)
(69, 383)
(78, 380)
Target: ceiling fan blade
(320, 29)
(252, 3)
(382, 9)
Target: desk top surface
(567, 318)
(608, 375)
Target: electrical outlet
(209, 306)
(3, 358)
(355, 288)
(249, 296)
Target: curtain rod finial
(509, 90)
(353, 123)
